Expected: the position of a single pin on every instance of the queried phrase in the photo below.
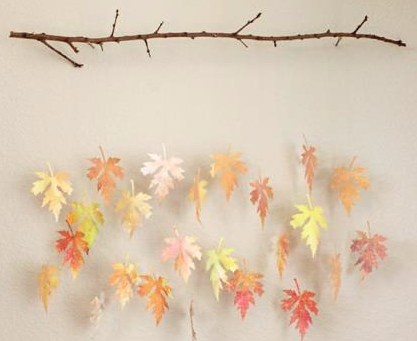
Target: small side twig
(114, 23)
(73, 62)
(355, 31)
(159, 27)
(247, 24)
(191, 313)
(148, 51)
(73, 47)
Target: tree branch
(237, 35)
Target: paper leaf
(301, 304)
(229, 166)
(282, 253)
(198, 193)
(164, 171)
(97, 304)
(88, 217)
(219, 262)
(48, 280)
(72, 244)
(335, 274)
(371, 249)
(157, 291)
(135, 207)
(105, 171)
(310, 218)
(182, 250)
(309, 161)
(245, 285)
(260, 194)
(125, 277)
(347, 182)
(54, 187)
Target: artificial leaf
(347, 182)
(89, 219)
(309, 160)
(218, 263)
(48, 280)
(335, 274)
(125, 277)
(158, 291)
(97, 304)
(54, 186)
(245, 285)
(73, 244)
(229, 166)
(310, 218)
(164, 171)
(302, 304)
(182, 250)
(134, 208)
(105, 170)
(282, 253)
(198, 193)
(260, 194)
(370, 247)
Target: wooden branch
(236, 35)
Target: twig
(114, 24)
(73, 47)
(191, 313)
(145, 37)
(73, 62)
(356, 29)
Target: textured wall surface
(198, 97)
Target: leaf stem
(352, 162)
(305, 140)
(102, 153)
(50, 169)
(368, 228)
(69, 226)
(219, 245)
(164, 151)
(310, 205)
(132, 187)
(298, 288)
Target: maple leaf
(125, 277)
(97, 308)
(229, 166)
(309, 161)
(347, 182)
(245, 284)
(311, 217)
(183, 250)
(48, 280)
(89, 218)
(198, 193)
(134, 208)
(218, 263)
(54, 186)
(304, 304)
(105, 170)
(261, 193)
(370, 248)
(336, 270)
(282, 253)
(158, 291)
(164, 171)
(73, 244)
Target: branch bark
(44, 38)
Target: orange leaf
(245, 285)
(157, 291)
(303, 303)
(229, 166)
(261, 193)
(104, 170)
(309, 160)
(282, 253)
(336, 270)
(370, 248)
(347, 182)
(125, 276)
(73, 244)
(48, 280)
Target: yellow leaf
(198, 193)
(53, 186)
(310, 218)
(125, 276)
(48, 280)
(134, 208)
(229, 166)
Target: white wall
(199, 97)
